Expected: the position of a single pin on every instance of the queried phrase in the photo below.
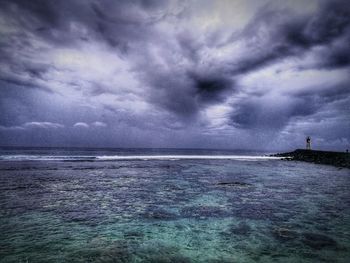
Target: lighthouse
(308, 143)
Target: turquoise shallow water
(172, 210)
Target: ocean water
(100, 205)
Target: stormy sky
(240, 74)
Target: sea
(170, 205)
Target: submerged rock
(318, 241)
(159, 214)
(203, 211)
(284, 234)
(242, 229)
(233, 184)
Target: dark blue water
(100, 205)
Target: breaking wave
(133, 157)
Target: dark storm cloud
(328, 29)
(154, 65)
(285, 34)
(114, 23)
(327, 93)
(331, 22)
(25, 74)
(274, 113)
(337, 55)
(185, 92)
(211, 89)
(54, 20)
(267, 114)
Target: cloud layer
(216, 74)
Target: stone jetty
(339, 159)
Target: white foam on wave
(133, 157)
(186, 157)
(44, 157)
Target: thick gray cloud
(219, 74)
(277, 33)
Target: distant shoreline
(338, 159)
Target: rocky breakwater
(339, 159)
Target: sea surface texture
(93, 205)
